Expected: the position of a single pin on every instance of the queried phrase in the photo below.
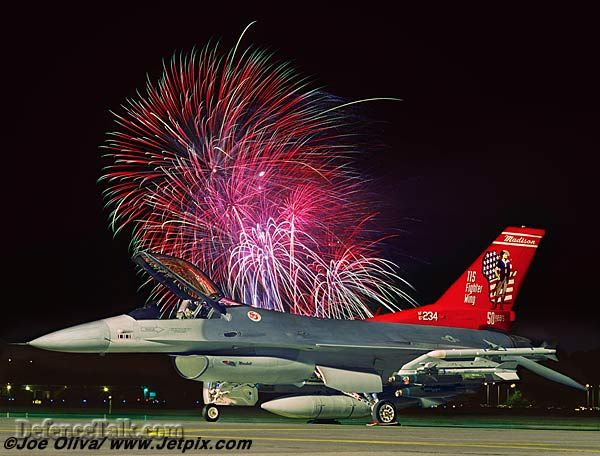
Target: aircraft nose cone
(91, 337)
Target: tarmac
(293, 437)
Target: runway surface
(295, 438)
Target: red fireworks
(234, 163)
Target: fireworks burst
(234, 163)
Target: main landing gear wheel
(384, 412)
(211, 412)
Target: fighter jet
(419, 357)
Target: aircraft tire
(384, 412)
(211, 412)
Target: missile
(321, 407)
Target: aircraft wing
(499, 363)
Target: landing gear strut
(219, 394)
(211, 412)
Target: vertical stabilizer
(484, 295)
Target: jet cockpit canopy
(184, 280)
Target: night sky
(498, 126)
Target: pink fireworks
(234, 163)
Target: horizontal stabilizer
(548, 373)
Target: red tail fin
(484, 295)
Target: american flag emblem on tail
(500, 276)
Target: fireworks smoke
(234, 163)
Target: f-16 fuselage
(355, 345)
